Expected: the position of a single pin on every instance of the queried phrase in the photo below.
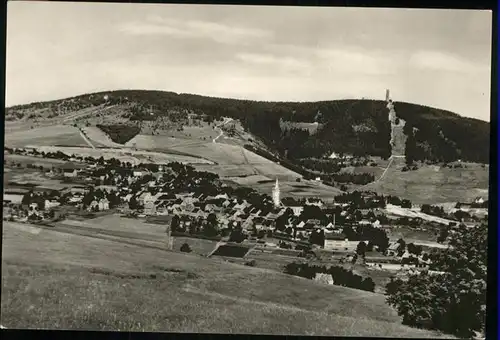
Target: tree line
(341, 276)
(120, 133)
(453, 302)
(441, 136)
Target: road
(227, 120)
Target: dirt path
(85, 138)
(80, 115)
(221, 131)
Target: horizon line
(239, 98)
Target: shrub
(454, 302)
(185, 248)
(250, 263)
(341, 276)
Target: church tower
(387, 97)
(276, 194)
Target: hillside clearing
(46, 275)
(399, 211)
(432, 184)
(96, 135)
(125, 155)
(63, 135)
(231, 160)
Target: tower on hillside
(387, 97)
(276, 194)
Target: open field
(228, 157)
(250, 180)
(57, 280)
(410, 235)
(433, 184)
(227, 171)
(38, 161)
(376, 171)
(33, 177)
(198, 246)
(116, 223)
(159, 142)
(43, 119)
(125, 155)
(415, 213)
(63, 135)
(99, 138)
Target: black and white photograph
(238, 169)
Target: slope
(57, 280)
(351, 126)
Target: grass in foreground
(57, 280)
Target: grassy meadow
(66, 281)
(432, 184)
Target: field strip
(125, 234)
(33, 229)
(86, 139)
(221, 131)
(194, 290)
(84, 114)
(98, 235)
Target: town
(211, 169)
(351, 228)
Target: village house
(13, 197)
(70, 170)
(34, 211)
(103, 204)
(301, 225)
(296, 209)
(147, 200)
(335, 241)
(324, 278)
(478, 200)
(364, 223)
(50, 204)
(393, 249)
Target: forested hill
(358, 127)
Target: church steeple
(276, 194)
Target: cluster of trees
(433, 210)
(354, 178)
(32, 197)
(370, 200)
(57, 107)
(402, 202)
(443, 136)
(120, 133)
(92, 194)
(375, 236)
(331, 165)
(208, 227)
(453, 302)
(336, 134)
(341, 276)
(440, 135)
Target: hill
(285, 140)
(59, 280)
(358, 127)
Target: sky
(439, 58)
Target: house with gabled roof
(301, 225)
